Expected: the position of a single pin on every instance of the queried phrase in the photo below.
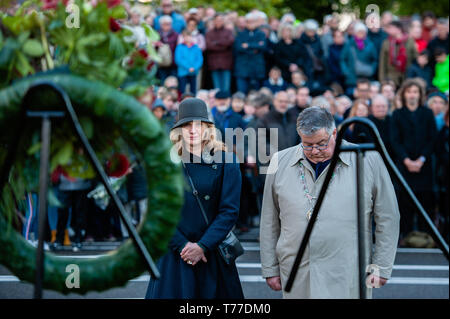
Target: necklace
(311, 199)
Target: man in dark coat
(303, 100)
(284, 123)
(250, 66)
(219, 54)
(414, 132)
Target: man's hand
(274, 283)
(373, 281)
(192, 253)
(191, 70)
(245, 45)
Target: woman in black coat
(413, 134)
(193, 268)
(289, 53)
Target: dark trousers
(189, 79)
(77, 201)
(409, 213)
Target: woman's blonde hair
(209, 139)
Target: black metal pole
(43, 188)
(362, 253)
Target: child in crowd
(420, 68)
(189, 59)
(440, 79)
(275, 81)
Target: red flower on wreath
(117, 166)
(52, 4)
(143, 53)
(114, 26)
(112, 3)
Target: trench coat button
(207, 197)
(214, 166)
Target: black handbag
(230, 248)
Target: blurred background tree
(317, 9)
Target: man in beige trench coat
(329, 267)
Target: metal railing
(394, 172)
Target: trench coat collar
(299, 155)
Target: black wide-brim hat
(192, 109)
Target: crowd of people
(261, 72)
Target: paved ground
(418, 273)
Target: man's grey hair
(380, 97)
(314, 119)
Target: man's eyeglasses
(320, 147)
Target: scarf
(359, 43)
(397, 53)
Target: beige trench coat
(329, 267)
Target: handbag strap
(195, 193)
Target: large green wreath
(165, 186)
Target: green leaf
(88, 126)
(33, 48)
(118, 12)
(62, 157)
(34, 148)
(22, 65)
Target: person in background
(290, 55)
(169, 100)
(376, 35)
(358, 57)
(355, 133)
(413, 133)
(238, 102)
(439, 41)
(428, 25)
(331, 25)
(275, 81)
(249, 47)
(388, 89)
(225, 118)
(303, 101)
(415, 32)
(189, 59)
(334, 57)
(397, 53)
(292, 96)
(441, 70)
(298, 79)
(314, 66)
(159, 109)
(382, 120)
(197, 37)
(343, 103)
(375, 87)
(421, 68)
(169, 37)
(438, 103)
(219, 49)
(442, 159)
(168, 10)
(283, 121)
